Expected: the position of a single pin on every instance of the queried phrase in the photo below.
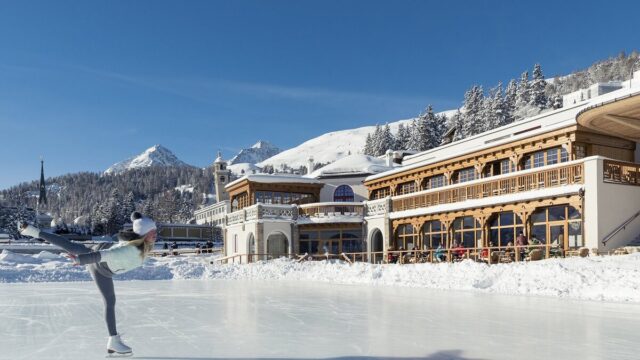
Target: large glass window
(274, 197)
(434, 182)
(559, 225)
(504, 228)
(331, 241)
(343, 193)
(466, 232)
(545, 157)
(499, 167)
(433, 234)
(406, 237)
(464, 175)
(406, 188)
(380, 193)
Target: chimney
(310, 165)
(389, 156)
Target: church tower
(42, 198)
(222, 177)
(43, 220)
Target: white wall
(331, 184)
(607, 206)
(242, 231)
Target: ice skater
(104, 260)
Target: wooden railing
(332, 209)
(489, 255)
(619, 172)
(557, 176)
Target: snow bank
(608, 278)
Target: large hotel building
(567, 179)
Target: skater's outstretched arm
(59, 241)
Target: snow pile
(608, 278)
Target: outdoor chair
(535, 255)
(583, 252)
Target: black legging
(104, 283)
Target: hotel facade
(567, 179)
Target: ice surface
(240, 319)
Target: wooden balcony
(534, 179)
(619, 172)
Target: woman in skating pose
(106, 259)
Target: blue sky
(89, 83)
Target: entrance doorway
(277, 245)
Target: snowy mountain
(260, 151)
(156, 155)
(330, 147)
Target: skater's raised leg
(54, 239)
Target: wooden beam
(631, 122)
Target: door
(558, 237)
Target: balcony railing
(619, 172)
(262, 211)
(332, 209)
(531, 180)
(377, 207)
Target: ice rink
(221, 319)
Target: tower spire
(42, 199)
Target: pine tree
(376, 139)
(433, 129)
(368, 146)
(509, 105)
(387, 140)
(403, 137)
(523, 93)
(473, 101)
(538, 98)
(457, 122)
(494, 108)
(128, 206)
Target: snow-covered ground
(606, 278)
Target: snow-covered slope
(260, 151)
(156, 155)
(332, 146)
(327, 148)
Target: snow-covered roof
(274, 179)
(352, 165)
(522, 129)
(243, 168)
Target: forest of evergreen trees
(482, 111)
(106, 201)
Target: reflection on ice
(255, 320)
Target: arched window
(466, 231)
(343, 193)
(504, 228)
(406, 237)
(434, 234)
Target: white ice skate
(115, 347)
